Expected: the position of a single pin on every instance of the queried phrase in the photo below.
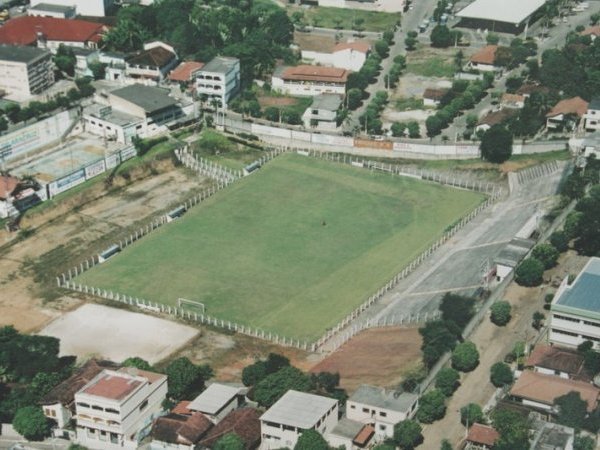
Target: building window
(97, 408)
(382, 427)
(143, 405)
(570, 319)
(82, 405)
(567, 333)
(366, 410)
(382, 414)
(352, 406)
(114, 438)
(593, 324)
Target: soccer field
(292, 248)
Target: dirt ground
(494, 343)
(379, 356)
(116, 334)
(265, 101)
(62, 235)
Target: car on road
(424, 25)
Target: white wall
(349, 59)
(59, 413)
(84, 7)
(383, 419)
(306, 89)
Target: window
(97, 408)
(593, 324)
(590, 338)
(366, 410)
(83, 405)
(382, 427)
(567, 333)
(382, 414)
(114, 438)
(143, 405)
(561, 317)
(352, 406)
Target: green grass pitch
(291, 249)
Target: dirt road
(494, 343)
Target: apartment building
(25, 71)
(218, 80)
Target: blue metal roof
(585, 292)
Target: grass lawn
(291, 249)
(216, 147)
(433, 67)
(408, 104)
(343, 18)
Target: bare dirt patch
(266, 101)
(116, 334)
(380, 356)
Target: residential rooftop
(244, 422)
(185, 71)
(512, 254)
(21, 54)
(299, 409)
(215, 397)
(150, 98)
(510, 11)
(112, 386)
(220, 64)
(24, 30)
(327, 102)
(315, 73)
(545, 389)
(482, 434)
(48, 7)
(358, 432)
(379, 397)
(583, 295)
(574, 105)
(153, 57)
(552, 357)
(487, 55)
(176, 428)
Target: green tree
(574, 186)
(457, 308)
(537, 320)
(560, 241)
(500, 313)
(530, 272)
(98, 70)
(434, 125)
(471, 414)
(311, 440)
(572, 410)
(446, 445)
(398, 129)
(272, 387)
(185, 379)
(411, 40)
(465, 357)
(471, 120)
(414, 131)
(137, 362)
(385, 447)
(382, 48)
(438, 338)
(65, 60)
(441, 37)
(496, 144)
(432, 406)
(354, 98)
(492, 39)
(584, 443)
(31, 423)
(513, 429)
(546, 254)
(573, 224)
(588, 232)
(500, 374)
(230, 441)
(3, 124)
(407, 434)
(447, 380)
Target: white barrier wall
(34, 136)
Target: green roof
(583, 296)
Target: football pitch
(291, 249)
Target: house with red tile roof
(152, 64)
(567, 114)
(481, 437)
(308, 80)
(179, 431)
(185, 72)
(559, 361)
(593, 32)
(485, 59)
(115, 408)
(539, 391)
(245, 422)
(351, 435)
(51, 32)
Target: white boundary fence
(207, 168)
(66, 279)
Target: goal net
(191, 305)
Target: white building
(218, 400)
(116, 409)
(592, 115)
(322, 113)
(134, 110)
(153, 64)
(484, 59)
(219, 79)
(351, 435)
(381, 409)
(575, 310)
(96, 8)
(51, 10)
(307, 80)
(391, 6)
(345, 55)
(511, 16)
(510, 256)
(25, 71)
(8, 185)
(295, 412)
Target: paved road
(457, 265)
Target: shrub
(447, 380)
(500, 374)
(560, 241)
(546, 254)
(471, 414)
(465, 357)
(500, 313)
(530, 272)
(432, 406)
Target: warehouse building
(508, 16)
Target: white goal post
(191, 304)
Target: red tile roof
(244, 422)
(316, 73)
(545, 388)
(7, 186)
(23, 30)
(575, 105)
(591, 31)
(112, 386)
(482, 434)
(364, 436)
(359, 46)
(184, 71)
(180, 429)
(512, 98)
(557, 358)
(434, 94)
(182, 408)
(153, 57)
(487, 55)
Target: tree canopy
(530, 272)
(407, 434)
(31, 423)
(438, 337)
(272, 387)
(230, 441)
(500, 313)
(470, 414)
(546, 254)
(457, 308)
(501, 374)
(465, 357)
(432, 406)
(572, 410)
(513, 429)
(496, 144)
(311, 440)
(186, 380)
(447, 380)
(137, 362)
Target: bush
(432, 406)
(546, 254)
(447, 380)
(500, 313)
(465, 357)
(31, 423)
(530, 273)
(560, 241)
(500, 374)
(471, 414)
